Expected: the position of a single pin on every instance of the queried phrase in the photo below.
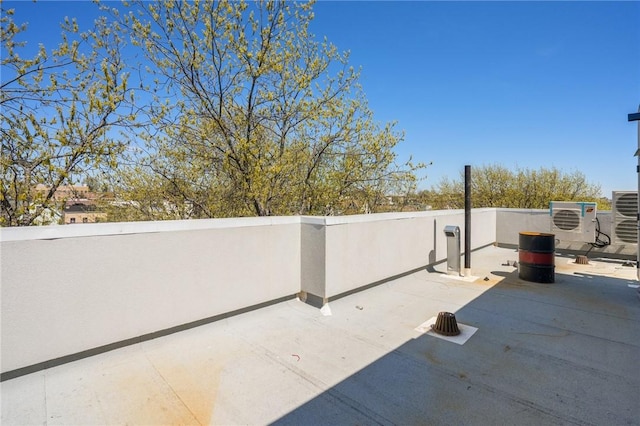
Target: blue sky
(526, 84)
(521, 84)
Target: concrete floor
(563, 353)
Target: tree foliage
(58, 107)
(252, 116)
(497, 186)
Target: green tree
(497, 186)
(253, 116)
(58, 108)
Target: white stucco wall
(513, 221)
(361, 250)
(312, 251)
(69, 294)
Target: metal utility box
(453, 249)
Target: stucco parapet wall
(510, 210)
(312, 220)
(378, 217)
(123, 228)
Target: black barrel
(536, 253)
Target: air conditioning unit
(624, 209)
(573, 220)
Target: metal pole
(467, 221)
(636, 117)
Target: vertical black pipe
(467, 218)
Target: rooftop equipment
(573, 220)
(446, 324)
(453, 249)
(636, 117)
(536, 257)
(624, 209)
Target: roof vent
(625, 217)
(582, 260)
(446, 324)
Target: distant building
(79, 203)
(82, 213)
(68, 192)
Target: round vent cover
(446, 324)
(567, 220)
(627, 204)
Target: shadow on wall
(538, 357)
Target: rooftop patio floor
(562, 353)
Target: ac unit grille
(567, 220)
(627, 231)
(627, 205)
(625, 211)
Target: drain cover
(446, 324)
